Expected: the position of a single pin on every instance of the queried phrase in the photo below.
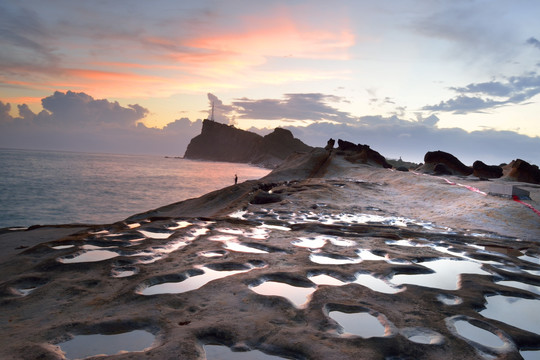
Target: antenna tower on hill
(212, 114)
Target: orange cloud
(280, 37)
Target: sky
(403, 76)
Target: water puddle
(62, 247)
(422, 336)
(530, 355)
(220, 352)
(446, 274)
(275, 227)
(239, 247)
(121, 272)
(180, 225)
(83, 346)
(360, 324)
(478, 335)
(531, 259)
(449, 299)
(89, 256)
(155, 234)
(367, 255)
(520, 285)
(192, 282)
(298, 296)
(519, 312)
(326, 280)
(212, 253)
(311, 243)
(330, 259)
(377, 284)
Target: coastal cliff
(220, 142)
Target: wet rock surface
(422, 262)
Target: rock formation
(327, 236)
(484, 171)
(452, 164)
(520, 170)
(220, 142)
(362, 154)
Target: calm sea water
(50, 187)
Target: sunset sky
(405, 77)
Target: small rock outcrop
(520, 170)
(220, 142)
(484, 171)
(362, 154)
(451, 163)
(330, 144)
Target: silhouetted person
(235, 179)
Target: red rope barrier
(516, 199)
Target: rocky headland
(220, 142)
(333, 255)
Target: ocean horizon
(45, 187)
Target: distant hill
(220, 142)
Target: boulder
(452, 164)
(520, 170)
(362, 154)
(484, 171)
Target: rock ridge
(220, 142)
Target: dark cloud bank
(78, 122)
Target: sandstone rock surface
(415, 253)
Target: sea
(60, 187)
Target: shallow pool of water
(360, 324)
(520, 285)
(83, 346)
(89, 256)
(450, 300)
(515, 311)
(191, 283)
(326, 280)
(220, 352)
(446, 274)
(478, 335)
(377, 284)
(328, 259)
(297, 295)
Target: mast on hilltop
(212, 114)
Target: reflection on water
(326, 280)
(520, 285)
(530, 355)
(83, 346)
(220, 352)
(447, 299)
(446, 275)
(360, 324)
(377, 284)
(89, 256)
(191, 283)
(518, 312)
(422, 335)
(478, 335)
(328, 259)
(299, 296)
